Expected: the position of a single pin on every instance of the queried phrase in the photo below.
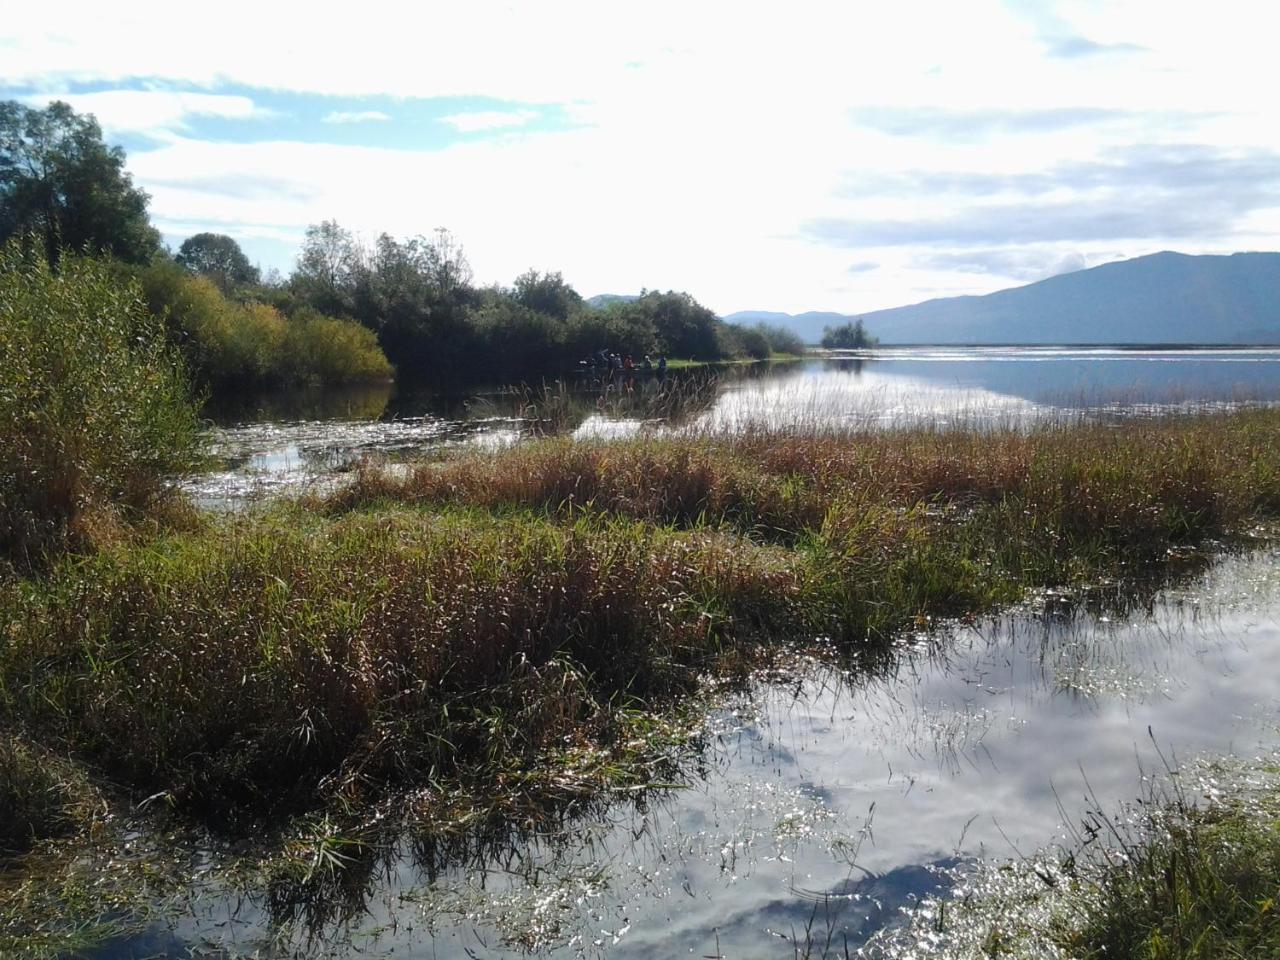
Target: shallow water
(282, 442)
(825, 801)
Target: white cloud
(481, 120)
(155, 113)
(356, 116)
(706, 135)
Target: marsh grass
(333, 652)
(1191, 871)
(1194, 884)
(482, 640)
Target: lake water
(282, 442)
(825, 802)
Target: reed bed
(484, 626)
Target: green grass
(1205, 887)
(1168, 878)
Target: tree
(61, 183)
(685, 328)
(847, 336)
(219, 258)
(547, 293)
(327, 268)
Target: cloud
(978, 124)
(1018, 263)
(863, 266)
(355, 116)
(482, 120)
(1175, 168)
(675, 158)
(1070, 48)
(154, 113)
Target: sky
(841, 156)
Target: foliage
(228, 342)
(218, 257)
(547, 293)
(320, 349)
(760, 341)
(60, 182)
(847, 336)
(416, 294)
(95, 411)
(37, 795)
(1201, 885)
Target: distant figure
(662, 363)
(648, 364)
(628, 364)
(616, 362)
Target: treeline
(432, 321)
(350, 310)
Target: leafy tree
(219, 258)
(547, 293)
(684, 327)
(847, 336)
(328, 268)
(60, 182)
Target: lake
(279, 442)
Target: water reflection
(278, 442)
(827, 798)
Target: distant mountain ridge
(604, 299)
(1161, 298)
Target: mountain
(604, 299)
(1161, 298)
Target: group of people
(608, 362)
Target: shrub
(95, 409)
(254, 343)
(328, 350)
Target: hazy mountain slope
(1162, 298)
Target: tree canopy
(219, 258)
(848, 336)
(60, 182)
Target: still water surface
(828, 800)
(276, 443)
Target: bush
(254, 343)
(95, 409)
(847, 336)
(327, 350)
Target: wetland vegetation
(480, 644)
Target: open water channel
(827, 800)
